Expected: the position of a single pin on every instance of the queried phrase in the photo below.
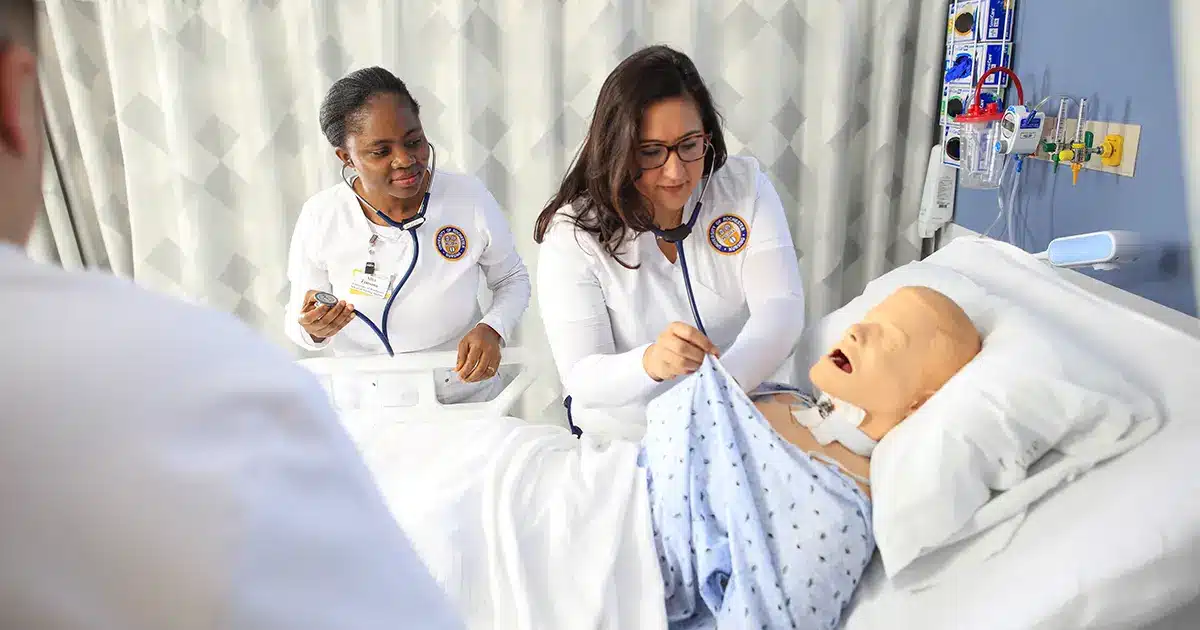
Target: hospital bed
(1120, 546)
(1117, 548)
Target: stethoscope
(409, 225)
(675, 236)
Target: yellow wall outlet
(1113, 150)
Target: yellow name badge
(371, 284)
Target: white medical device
(1100, 250)
(937, 197)
(1020, 131)
(833, 420)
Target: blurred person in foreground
(172, 470)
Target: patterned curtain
(185, 138)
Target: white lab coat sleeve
(774, 294)
(305, 273)
(503, 269)
(225, 495)
(578, 329)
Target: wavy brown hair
(599, 184)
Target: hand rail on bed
(421, 367)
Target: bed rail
(416, 374)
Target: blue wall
(1133, 81)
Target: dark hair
(342, 108)
(600, 180)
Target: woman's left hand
(478, 354)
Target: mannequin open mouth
(841, 361)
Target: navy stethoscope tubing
(409, 225)
(676, 236)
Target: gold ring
(491, 370)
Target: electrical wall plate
(1130, 135)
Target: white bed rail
(416, 374)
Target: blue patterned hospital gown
(750, 531)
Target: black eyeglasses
(652, 156)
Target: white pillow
(1029, 390)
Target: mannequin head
(902, 352)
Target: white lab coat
(440, 302)
(161, 466)
(600, 316)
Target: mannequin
(887, 366)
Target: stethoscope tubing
(408, 225)
(676, 236)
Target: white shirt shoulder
(733, 191)
(461, 189)
(324, 201)
(188, 446)
(465, 202)
(563, 227)
(741, 198)
(319, 214)
(327, 204)
(736, 182)
(564, 236)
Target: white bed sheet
(1119, 547)
(522, 525)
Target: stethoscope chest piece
(328, 299)
(678, 233)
